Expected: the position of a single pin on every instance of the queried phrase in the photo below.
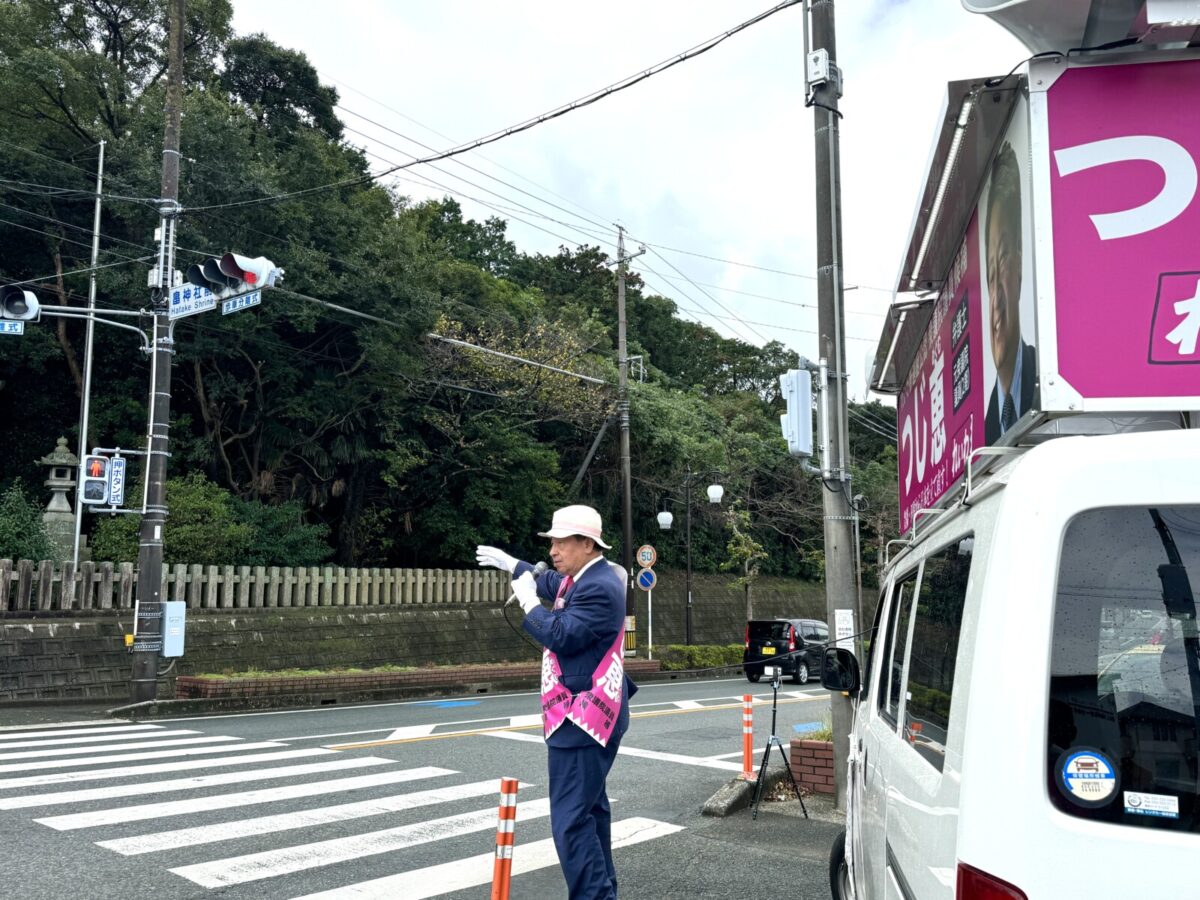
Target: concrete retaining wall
(81, 656)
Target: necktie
(1008, 415)
(561, 600)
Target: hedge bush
(677, 657)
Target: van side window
(935, 648)
(1124, 706)
(891, 676)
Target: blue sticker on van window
(1087, 777)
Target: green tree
(22, 532)
(745, 553)
(210, 526)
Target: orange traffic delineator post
(502, 872)
(747, 737)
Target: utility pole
(824, 82)
(623, 416)
(87, 358)
(148, 630)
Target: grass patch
(229, 674)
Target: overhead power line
(587, 100)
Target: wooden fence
(48, 586)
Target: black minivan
(797, 644)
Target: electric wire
(587, 100)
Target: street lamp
(715, 493)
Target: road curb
(737, 794)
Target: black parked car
(797, 644)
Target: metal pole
(87, 359)
(623, 414)
(687, 502)
(840, 563)
(148, 630)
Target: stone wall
(81, 656)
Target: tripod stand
(774, 741)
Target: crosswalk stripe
(18, 735)
(256, 866)
(130, 757)
(141, 812)
(185, 765)
(434, 881)
(140, 789)
(106, 748)
(699, 761)
(78, 724)
(224, 831)
(89, 739)
(687, 704)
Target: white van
(1028, 718)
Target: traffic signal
(230, 275)
(796, 423)
(95, 480)
(19, 304)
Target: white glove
(495, 557)
(526, 591)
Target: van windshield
(1124, 715)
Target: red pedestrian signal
(94, 489)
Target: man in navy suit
(585, 693)
(1012, 395)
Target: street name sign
(188, 300)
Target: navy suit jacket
(580, 634)
(991, 423)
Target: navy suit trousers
(580, 819)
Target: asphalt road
(392, 800)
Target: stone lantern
(59, 517)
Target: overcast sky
(713, 156)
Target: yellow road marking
(648, 714)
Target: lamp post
(715, 493)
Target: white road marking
(271, 863)
(105, 748)
(128, 757)
(185, 765)
(524, 721)
(140, 789)
(239, 828)
(145, 811)
(96, 739)
(687, 704)
(410, 731)
(15, 734)
(702, 762)
(461, 874)
(78, 724)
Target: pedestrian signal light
(95, 480)
(231, 274)
(796, 423)
(19, 304)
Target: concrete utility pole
(623, 416)
(148, 641)
(87, 355)
(840, 563)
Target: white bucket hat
(571, 520)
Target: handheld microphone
(537, 570)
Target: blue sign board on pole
(245, 300)
(646, 579)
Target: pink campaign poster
(1125, 147)
(941, 407)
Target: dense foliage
(403, 450)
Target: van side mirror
(840, 671)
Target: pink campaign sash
(594, 710)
